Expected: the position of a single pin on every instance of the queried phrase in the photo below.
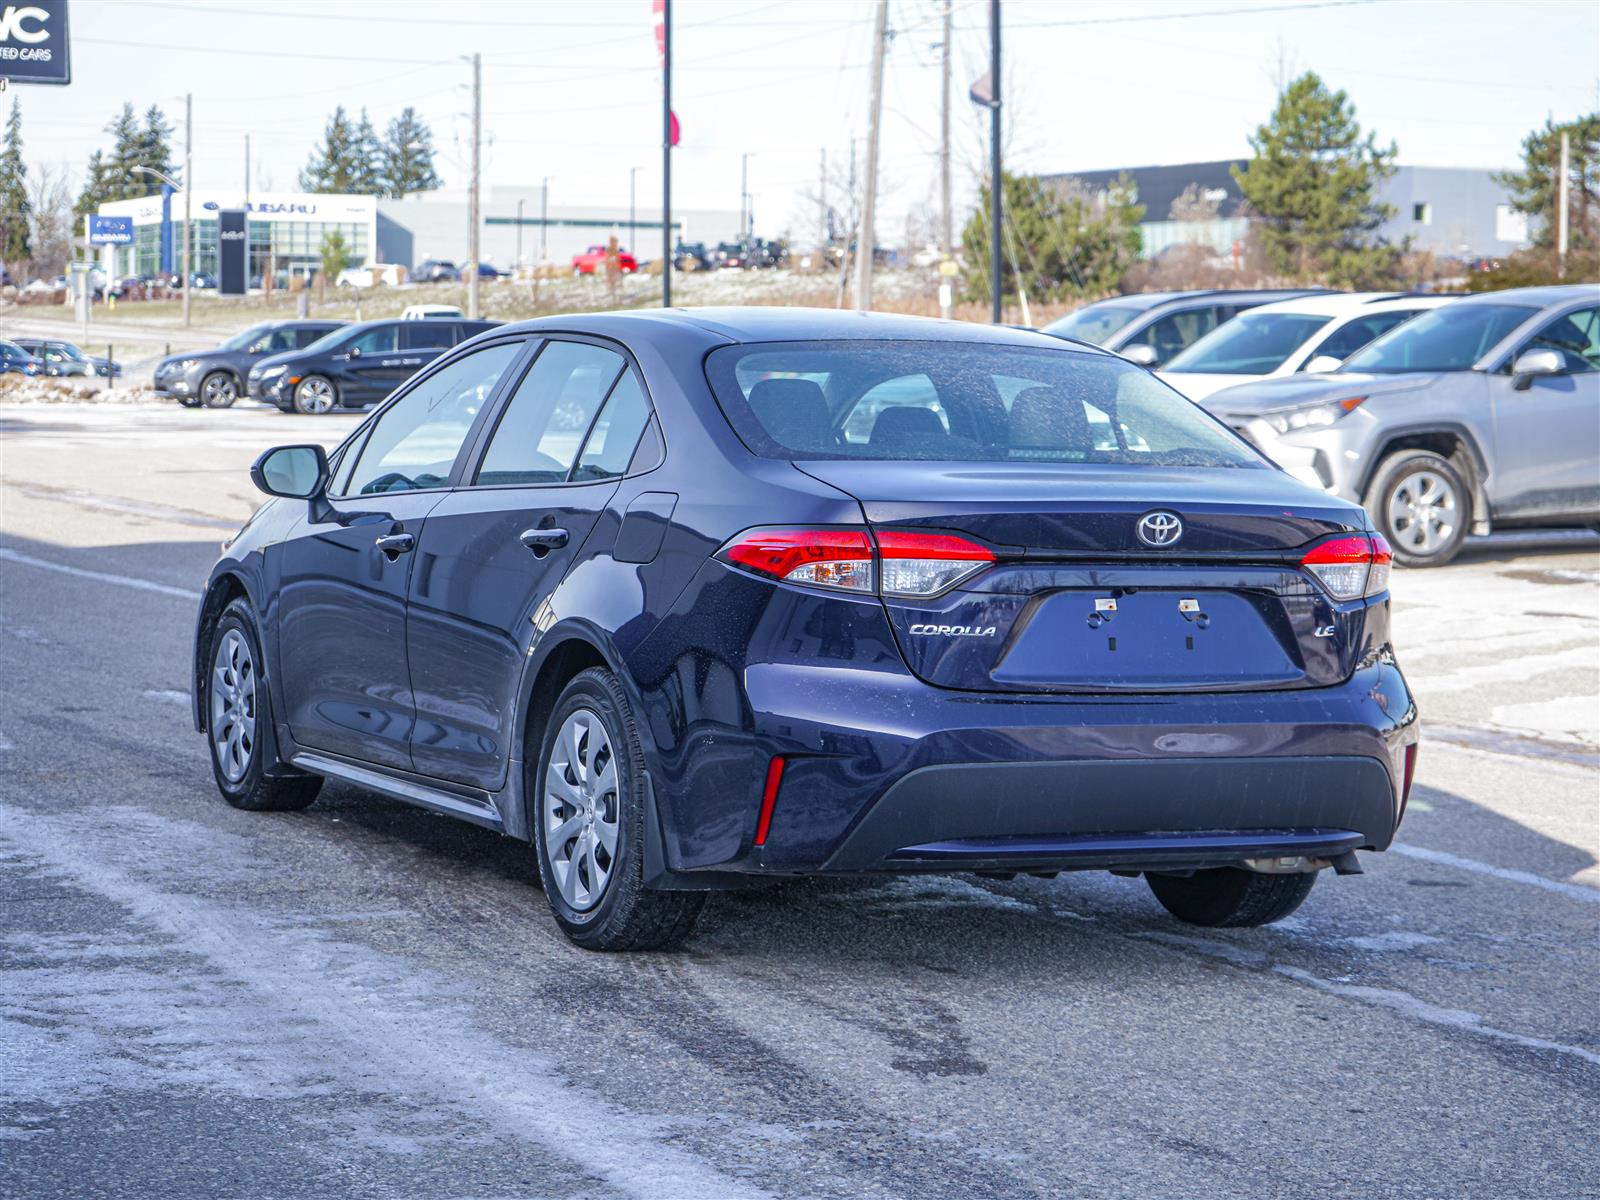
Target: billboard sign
(233, 238)
(34, 42)
(110, 231)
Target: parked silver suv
(1485, 412)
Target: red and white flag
(658, 10)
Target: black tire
(225, 386)
(1420, 474)
(254, 790)
(1231, 897)
(190, 401)
(308, 396)
(627, 915)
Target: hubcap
(581, 810)
(316, 395)
(233, 705)
(1422, 513)
(220, 390)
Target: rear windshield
(1094, 323)
(1252, 344)
(960, 402)
(1451, 338)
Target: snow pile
(40, 389)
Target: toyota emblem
(1159, 529)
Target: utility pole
(1561, 205)
(864, 239)
(188, 210)
(822, 206)
(944, 169)
(996, 187)
(521, 200)
(632, 191)
(247, 181)
(472, 206)
(666, 153)
(544, 217)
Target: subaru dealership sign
(33, 42)
(110, 231)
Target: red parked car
(594, 259)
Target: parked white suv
(1312, 334)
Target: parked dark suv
(216, 378)
(690, 597)
(356, 365)
(437, 270)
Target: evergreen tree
(1062, 241)
(127, 145)
(1533, 187)
(346, 161)
(1312, 184)
(155, 149)
(94, 187)
(15, 245)
(406, 156)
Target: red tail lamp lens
(840, 558)
(769, 797)
(1350, 567)
(924, 564)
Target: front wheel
(588, 794)
(1231, 896)
(314, 396)
(219, 390)
(190, 401)
(1420, 503)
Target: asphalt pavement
(367, 1000)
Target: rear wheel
(1231, 896)
(588, 794)
(314, 396)
(219, 390)
(239, 723)
(1420, 503)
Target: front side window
(306, 337)
(609, 448)
(1451, 338)
(544, 423)
(1094, 323)
(1351, 336)
(379, 340)
(1252, 344)
(414, 442)
(955, 402)
(246, 338)
(1575, 336)
(1175, 332)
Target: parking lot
(368, 1000)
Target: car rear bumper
(886, 774)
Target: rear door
(344, 573)
(369, 367)
(495, 548)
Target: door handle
(395, 544)
(542, 541)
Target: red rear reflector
(769, 797)
(1411, 770)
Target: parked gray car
(1149, 328)
(1482, 414)
(216, 378)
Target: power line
(1181, 16)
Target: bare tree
(50, 218)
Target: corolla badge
(1159, 528)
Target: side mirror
(1533, 364)
(1321, 364)
(1141, 355)
(353, 352)
(294, 472)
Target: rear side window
(375, 341)
(610, 445)
(1175, 332)
(304, 337)
(428, 335)
(961, 402)
(545, 422)
(1348, 338)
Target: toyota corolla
(686, 598)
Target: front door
(346, 572)
(1547, 436)
(370, 367)
(496, 548)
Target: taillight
(901, 564)
(1351, 567)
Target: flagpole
(666, 153)
(996, 181)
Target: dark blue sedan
(689, 597)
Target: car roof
(1351, 304)
(1144, 301)
(1539, 297)
(771, 323)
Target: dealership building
(1455, 212)
(287, 229)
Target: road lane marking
(171, 697)
(1404, 1003)
(1572, 891)
(128, 581)
(417, 1036)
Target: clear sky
(571, 88)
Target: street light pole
(520, 201)
(996, 177)
(633, 173)
(544, 217)
(472, 249)
(188, 193)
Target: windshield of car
(961, 402)
(12, 350)
(1252, 344)
(328, 341)
(68, 350)
(1451, 338)
(240, 340)
(1096, 323)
